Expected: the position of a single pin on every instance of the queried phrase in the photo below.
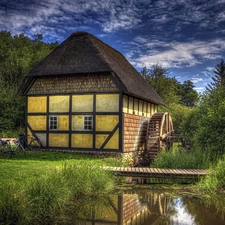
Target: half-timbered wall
(86, 112)
(83, 121)
(136, 114)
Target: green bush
(205, 125)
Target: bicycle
(5, 148)
(34, 143)
(18, 147)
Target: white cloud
(196, 79)
(140, 40)
(199, 89)
(208, 71)
(110, 15)
(178, 54)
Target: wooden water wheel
(160, 127)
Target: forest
(200, 118)
(18, 55)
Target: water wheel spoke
(159, 128)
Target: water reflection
(145, 208)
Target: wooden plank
(156, 172)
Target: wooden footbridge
(145, 172)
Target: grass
(36, 164)
(40, 188)
(178, 158)
(214, 182)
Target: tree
(205, 125)
(18, 54)
(167, 88)
(189, 96)
(219, 76)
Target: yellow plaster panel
(59, 103)
(82, 103)
(152, 108)
(136, 106)
(29, 135)
(145, 109)
(58, 140)
(131, 105)
(106, 122)
(100, 138)
(140, 112)
(82, 140)
(125, 103)
(37, 104)
(37, 122)
(156, 108)
(113, 142)
(107, 103)
(149, 110)
(77, 122)
(63, 122)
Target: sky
(186, 37)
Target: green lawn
(35, 164)
(44, 186)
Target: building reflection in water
(149, 208)
(131, 209)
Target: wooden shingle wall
(132, 207)
(72, 84)
(134, 132)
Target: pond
(148, 207)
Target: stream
(149, 206)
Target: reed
(214, 181)
(180, 158)
(87, 178)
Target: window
(82, 122)
(53, 122)
(88, 123)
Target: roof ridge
(80, 33)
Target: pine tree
(219, 76)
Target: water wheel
(159, 128)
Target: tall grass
(88, 179)
(214, 182)
(46, 199)
(180, 158)
(11, 204)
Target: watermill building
(86, 96)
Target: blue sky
(187, 37)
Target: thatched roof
(83, 53)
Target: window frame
(89, 121)
(55, 122)
(83, 125)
